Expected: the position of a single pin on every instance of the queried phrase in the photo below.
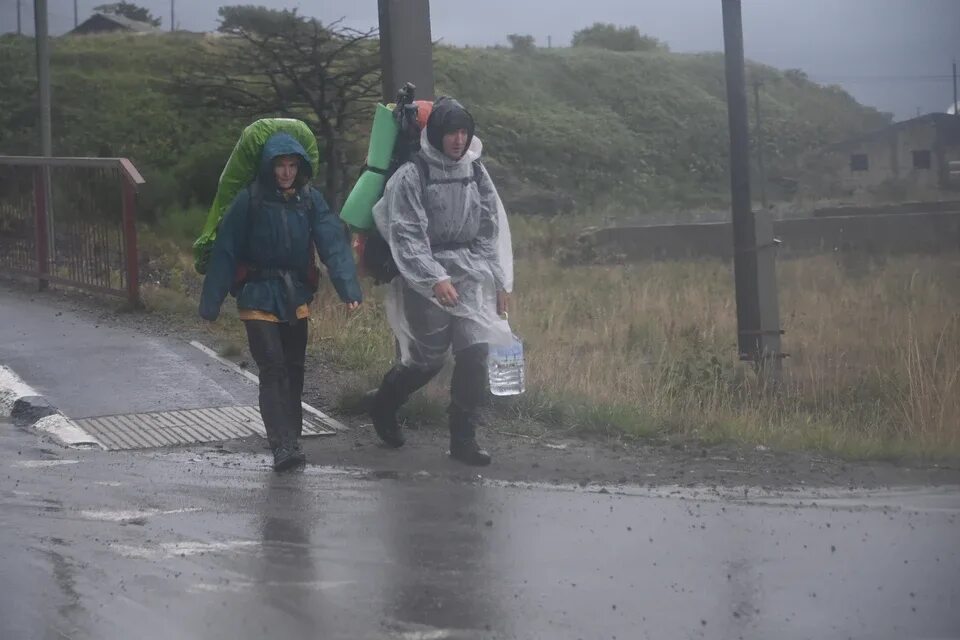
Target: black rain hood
(448, 116)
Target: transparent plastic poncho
(420, 240)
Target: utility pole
(19, 20)
(956, 112)
(549, 42)
(406, 47)
(173, 15)
(43, 74)
(42, 37)
(76, 15)
(761, 172)
(758, 314)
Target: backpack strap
(306, 195)
(423, 169)
(477, 172)
(255, 194)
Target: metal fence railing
(71, 221)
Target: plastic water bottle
(505, 368)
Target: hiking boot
(382, 404)
(285, 458)
(469, 452)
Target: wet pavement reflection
(198, 544)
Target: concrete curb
(27, 408)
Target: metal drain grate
(163, 429)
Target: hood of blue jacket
(282, 144)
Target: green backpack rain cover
(241, 169)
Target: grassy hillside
(635, 128)
(584, 128)
(114, 96)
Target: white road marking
(324, 418)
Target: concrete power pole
(76, 15)
(758, 314)
(173, 15)
(42, 37)
(956, 111)
(406, 47)
(761, 170)
(43, 74)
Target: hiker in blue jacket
(263, 255)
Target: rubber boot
(467, 391)
(463, 441)
(298, 453)
(286, 457)
(398, 385)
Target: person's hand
(503, 303)
(446, 294)
(353, 306)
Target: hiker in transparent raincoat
(447, 231)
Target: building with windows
(914, 154)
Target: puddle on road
(172, 549)
(132, 515)
(238, 586)
(41, 464)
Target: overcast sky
(892, 54)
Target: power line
(904, 78)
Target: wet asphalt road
(90, 369)
(196, 543)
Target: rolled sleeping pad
(242, 168)
(357, 211)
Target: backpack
(241, 168)
(378, 259)
(245, 270)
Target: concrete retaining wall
(874, 234)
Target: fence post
(130, 243)
(42, 247)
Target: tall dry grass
(649, 349)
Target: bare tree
(278, 63)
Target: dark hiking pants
(279, 350)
